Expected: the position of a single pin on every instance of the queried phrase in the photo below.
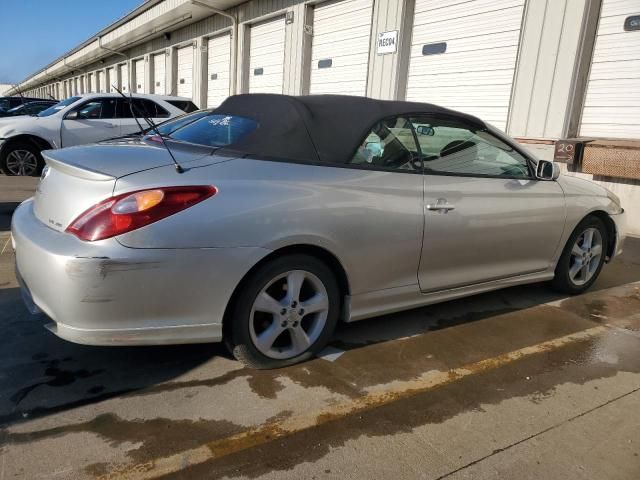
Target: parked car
(28, 108)
(7, 103)
(75, 121)
(292, 214)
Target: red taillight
(131, 210)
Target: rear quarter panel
(372, 222)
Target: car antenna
(179, 168)
(21, 96)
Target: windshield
(215, 130)
(58, 106)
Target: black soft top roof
(315, 128)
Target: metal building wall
(545, 75)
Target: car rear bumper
(103, 293)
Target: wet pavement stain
(59, 377)
(573, 364)
(152, 434)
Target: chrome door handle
(441, 206)
(111, 125)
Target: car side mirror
(73, 116)
(425, 130)
(547, 170)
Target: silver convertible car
(270, 219)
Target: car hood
(118, 158)
(579, 186)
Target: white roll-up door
(159, 73)
(218, 69)
(340, 52)
(124, 77)
(612, 102)
(463, 55)
(102, 87)
(185, 72)
(139, 71)
(93, 79)
(111, 79)
(266, 58)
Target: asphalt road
(517, 384)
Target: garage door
(159, 69)
(218, 65)
(139, 71)
(463, 55)
(185, 72)
(124, 77)
(340, 52)
(612, 102)
(101, 83)
(111, 79)
(266, 58)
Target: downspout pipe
(115, 52)
(234, 38)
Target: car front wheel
(21, 159)
(583, 257)
(285, 313)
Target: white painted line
(331, 354)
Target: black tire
(562, 281)
(35, 151)
(237, 335)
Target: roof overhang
(151, 19)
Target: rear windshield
(165, 128)
(215, 130)
(58, 106)
(184, 105)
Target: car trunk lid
(79, 177)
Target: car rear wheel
(285, 313)
(21, 159)
(583, 257)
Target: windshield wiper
(153, 126)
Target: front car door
(91, 122)
(486, 216)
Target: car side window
(450, 147)
(141, 107)
(390, 145)
(103, 108)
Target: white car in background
(78, 120)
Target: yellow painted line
(375, 397)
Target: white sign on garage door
(185, 71)
(218, 65)
(159, 72)
(266, 58)
(111, 79)
(340, 52)
(124, 77)
(101, 84)
(463, 55)
(612, 102)
(139, 71)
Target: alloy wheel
(21, 162)
(586, 256)
(289, 314)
